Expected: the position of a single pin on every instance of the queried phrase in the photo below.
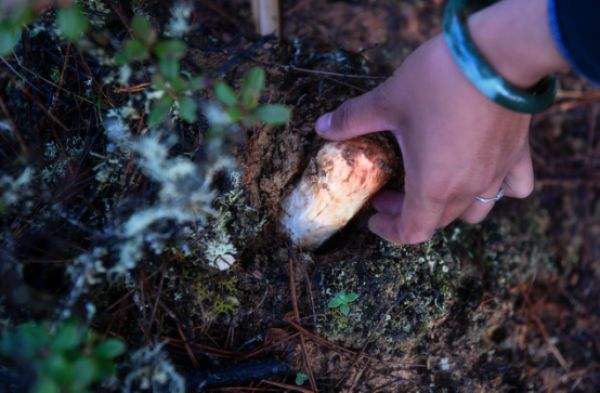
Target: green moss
(420, 285)
(410, 282)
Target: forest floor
(510, 305)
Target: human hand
(456, 144)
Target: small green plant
(72, 22)
(301, 378)
(342, 301)
(69, 358)
(172, 86)
(168, 81)
(10, 28)
(244, 107)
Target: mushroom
(334, 187)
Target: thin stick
(364, 348)
(330, 73)
(47, 81)
(553, 349)
(187, 348)
(61, 79)
(307, 365)
(288, 67)
(133, 89)
(153, 314)
(286, 386)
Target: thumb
(357, 116)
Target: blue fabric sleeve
(575, 25)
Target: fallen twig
(305, 357)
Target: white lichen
(151, 370)
(179, 24)
(220, 252)
(14, 188)
(185, 197)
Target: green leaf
(273, 114)
(110, 348)
(234, 113)
(10, 34)
(350, 297)
(135, 50)
(45, 385)
(335, 302)
(160, 111)
(120, 57)
(301, 378)
(72, 22)
(142, 30)
(84, 372)
(179, 85)
(169, 68)
(170, 49)
(105, 368)
(67, 337)
(345, 309)
(26, 16)
(254, 82)
(56, 367)
(226, 94)
(187, 109)
(29, 339)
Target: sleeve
(575, 25)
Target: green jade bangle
(481, 73)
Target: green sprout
(68, 358)
(244, 107)
(342, 301)
(301, 378)
(174, 87)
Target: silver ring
(491, 200)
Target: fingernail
(323, 124)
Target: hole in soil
(499, 335)
(347, 236)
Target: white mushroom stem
(334, 187)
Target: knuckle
(436, 195)
(434, 188)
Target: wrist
(515, 38)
